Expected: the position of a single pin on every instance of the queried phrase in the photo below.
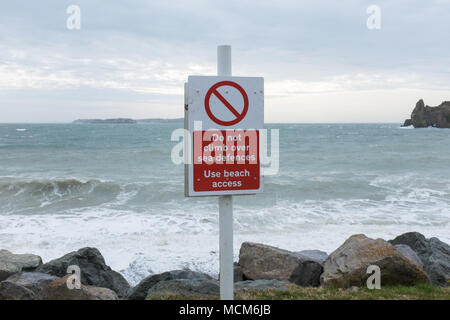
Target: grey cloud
(146, 49)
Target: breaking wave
(17, 196)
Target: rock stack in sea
(425, 116)
(409, 259)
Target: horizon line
(277, 122)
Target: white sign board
(224, 116)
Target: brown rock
(24, 285)
(58, 290)
(347, 266)
(259, 261)
(12, 291)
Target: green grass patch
(294, 292)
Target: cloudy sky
(320, 61)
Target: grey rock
(426, 116)
(11, 263)
(434, 254)
(7, 269)
(261, 285)
(140, 291)
(185, 287)
(409, 253)
(307, 274)
(94, 270)
(58, 290)
(314, 255)
(347, 265)
(259, 261)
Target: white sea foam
(139, 244)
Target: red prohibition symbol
(213, 90)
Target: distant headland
(125, 121)
(425, 116)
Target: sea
(115, 187)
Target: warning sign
(226, 160)
(223, 116)
(213, 91)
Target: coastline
(260, 268)
(135, 214)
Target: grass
(294, 292)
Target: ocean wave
(47, 196)
(15, 196)
(48, 186)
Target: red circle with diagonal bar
(213, 90)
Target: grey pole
(225, 204)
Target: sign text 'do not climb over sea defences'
(224, 117)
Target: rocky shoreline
(409, 259)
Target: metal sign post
(223, 119)
(225, 205)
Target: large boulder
(434, 254)
(140, 291)
(58, 290)
(347, 265)
(24, 285)
(197, 288)
(259, 261)
(94, 270)
(11, 263)
(426, 116)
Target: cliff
(425, 116)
